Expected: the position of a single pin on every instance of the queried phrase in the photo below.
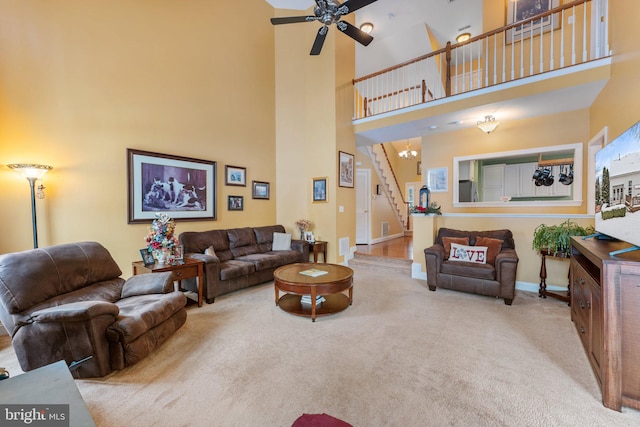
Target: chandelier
(408, 153)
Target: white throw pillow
(477, 254)
(281, 242)
(210, 251)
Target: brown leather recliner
(68, 302)
(497, 278)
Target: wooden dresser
(605, 308)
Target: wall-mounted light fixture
(366, 27)
(408, 153)
(463, 37)
(32, 173)
(489, 124)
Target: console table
(542, 291)
(605, 309)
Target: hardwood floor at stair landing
(401, 247)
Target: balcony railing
(569, 35)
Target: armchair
(67, 302)
(496, 277)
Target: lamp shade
(30, 171)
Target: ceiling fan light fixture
(463, 37)
(366, 27)
(489, 124)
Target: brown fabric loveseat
(68, 302)
(495, 278)
(243, 257)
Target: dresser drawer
(184, 272)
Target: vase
(161, 256)
(302, 234)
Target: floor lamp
(32, 173)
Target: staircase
(390, 185)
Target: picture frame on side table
(319, 189)
(260, 190)
(235, 175)
(182, 187)
(147, 257)
(525, 9)
(236, 203)
(437, 179)
(345, 169)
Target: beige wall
(80, 82)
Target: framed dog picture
(236, 203)
(182, 187)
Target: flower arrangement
(304, 224)
(161, 233)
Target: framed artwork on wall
(181, 187)
(419, 171)
(260, 190)
(525, 9)
(235, 175)
(437, 179)
(236, 203)
(319, 189)
(345, 169)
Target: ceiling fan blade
(317, 44)
(355, 33)
(293, 19)
(353, 5)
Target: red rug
(319, 420)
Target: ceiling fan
(329, 12)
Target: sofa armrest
(434, 255)
(75, 311)
(301, 246)
(149, 283)
(506, 266)
(211, 274)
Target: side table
(190, 268)
(318, 247)
(543, 292)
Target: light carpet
(399, 356)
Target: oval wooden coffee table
(331, 284)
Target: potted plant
(557, 238)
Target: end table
(190, 268)
(318, 247)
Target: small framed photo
(319, 189)
(147, 257)
(178, 253)
(345, 169)
(235, 175)
(236, 203)
(308, 236)
(260, 190)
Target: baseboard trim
(385, 238)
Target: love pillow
(477, 254)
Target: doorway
(363, 206)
